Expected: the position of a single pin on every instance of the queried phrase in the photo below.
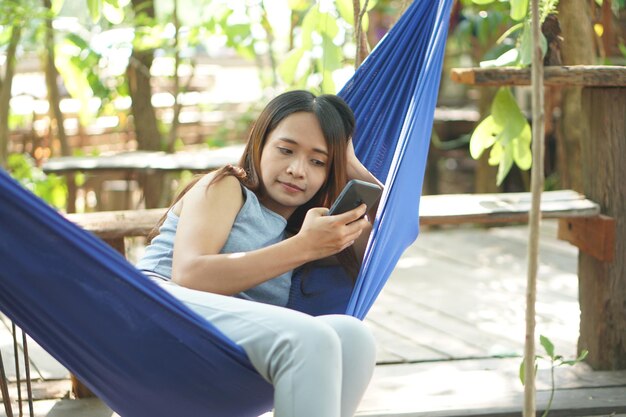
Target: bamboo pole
(536, 186)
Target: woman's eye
(318, 163)
(285, 151)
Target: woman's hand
(322, 235)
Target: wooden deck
(450, 329)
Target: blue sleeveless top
(255, 227)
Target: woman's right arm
(206, 218)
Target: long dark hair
(337, 123)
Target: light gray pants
(319, 366)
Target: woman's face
(293, 163)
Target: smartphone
(354, 194)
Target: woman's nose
(296, 167)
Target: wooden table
(145, 167)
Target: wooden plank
(434, 210)
(501, 208)
(488, 388)
(198, 160)
(580, 75)
(118, 224)
(486, 274)
(593, 235)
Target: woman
(242, 230)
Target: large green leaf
(299, 5)
(73, 78)
(484, 136)
(506, 162)
(519, 9)
(56, 6)
(522, 154)
(482, 2)
(94, 6)
(332, 55)
(288, 68)
(508, 58)
(328, 84)
(113, 13)
(526, 46)
(309, 24)
(508, 134)
(547, 345)
(346, 11)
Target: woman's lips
(292, 188)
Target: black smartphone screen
(354, 194)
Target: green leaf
(346, 10)
(309, 24)
(482, 2)
(522, 371)
(288, 68)
(299, 5)
(113, 13)
(510, 31)
(519, 9)
(547, 345)
(483, 136)
(522, 154)
(525, 46)
(509, 58)
(56, 6)
(507, 115)
(496, 154)
(506, 162)
(94, 7)
(328, 84)
(332, 55)
(504, 107)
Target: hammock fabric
(142, 351)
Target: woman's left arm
(357, 171)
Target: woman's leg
(299, 354)
(358, 352)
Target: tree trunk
(52, 75)
(5, 94)
(577, 48)
(145, 121)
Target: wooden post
(602, 285)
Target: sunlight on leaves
(508, 134)
(484, 136)
(519, 9)
(94, 7)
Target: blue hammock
(142, 351)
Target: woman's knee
(353, 333)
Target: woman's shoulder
(226, 190)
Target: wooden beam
(580, 75)
(592, 235)
(112, 225)
(501, 208)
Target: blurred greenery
(51, 188)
